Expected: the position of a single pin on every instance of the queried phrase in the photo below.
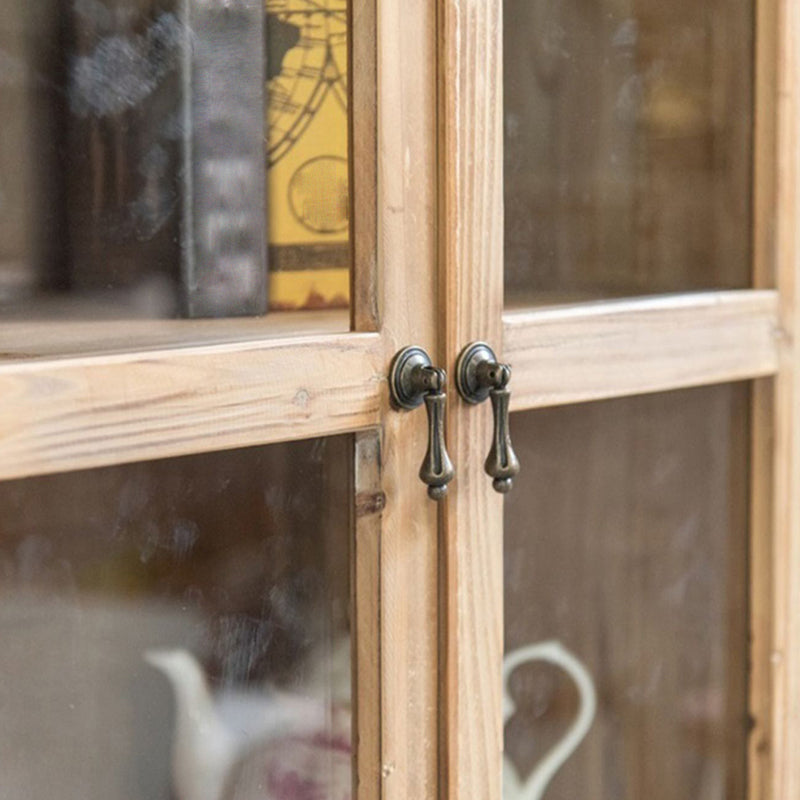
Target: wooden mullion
(78, 413)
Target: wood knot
(368, 503)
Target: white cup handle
(555, 653)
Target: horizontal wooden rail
(59, 414)
(59, 330)
(597, 350)
(91, 411)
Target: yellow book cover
(307, 154)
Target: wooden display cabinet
(648, 407)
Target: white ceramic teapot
(215, 732)
(553, 652)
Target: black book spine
(224, 259)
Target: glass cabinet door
(221, 575)
(628, 171)
(615, 182)
(208, 585)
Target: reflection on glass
(626, 600)
(157, 155)
(627, 146)
(179, 628)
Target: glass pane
(626, 600)
(179, 628)
(173, 158)
(628, 139)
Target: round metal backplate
(466, 371)
(400, 384)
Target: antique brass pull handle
(412, 380)
(478, 376)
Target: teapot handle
(553, 652)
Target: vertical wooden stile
(365, 295)
(785, 653)
(369, 499)
(471, 280)
(368, 506)
(774, 769)
(763, 408)
(405, 208)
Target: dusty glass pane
(173, 158)
(179, 628)
(626, 600)
(628, 140)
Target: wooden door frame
(435, 73)
(611, 349)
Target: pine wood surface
(365, 287)
(406, 135)
(366, 521)
(78, 329)
(620, 347)
(785, 652)
(75, 413)
(761, 753)
(471, 258)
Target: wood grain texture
(785, 655)
(471, 258)
(368, 506)
(608, 349)
(75, 413)
(761, 566)
(66, 332)
(365, 294)
(763, 409)
(407, 258)
(765, 161)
